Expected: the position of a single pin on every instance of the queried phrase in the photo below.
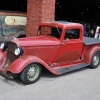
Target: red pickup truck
(59, 47)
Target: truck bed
(90, 41)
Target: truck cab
(59, 47)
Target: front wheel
(31, 73)
(95, 60)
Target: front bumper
(5, 75)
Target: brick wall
(38, 11)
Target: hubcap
(33, 72)
(96, 59)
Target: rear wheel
(31, 73)
(95, 60)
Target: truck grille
(10, 55)
(11, 47)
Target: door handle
(63, 43)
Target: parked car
(12, 24)
(59, 47)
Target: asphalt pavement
(82, 84)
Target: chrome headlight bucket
(3, 45)
(18, 51)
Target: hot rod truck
(59, 47)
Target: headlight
(4, 45)
(18, 51)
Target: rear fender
(89, 54)
(18, 65)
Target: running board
(71, 68)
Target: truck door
(71, 46)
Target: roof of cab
(61, 23)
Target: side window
(72, 34)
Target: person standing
(97, 33)
(94, 27)
(84, 29)
(92, 33)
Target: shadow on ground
(48, 74)
(45, 74)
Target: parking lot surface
(83, 84)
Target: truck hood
(38, 40)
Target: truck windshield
(52, 31)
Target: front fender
(18, 65)
(3, 56)
(89, 54)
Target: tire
(31, 73)
(95, 60)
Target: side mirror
(67, 39)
